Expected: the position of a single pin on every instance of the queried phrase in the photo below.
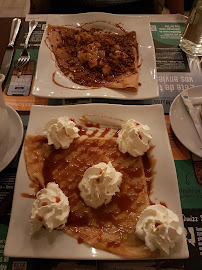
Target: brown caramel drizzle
(57, 199)
(114, 244)
(68, 87)
(149, 163)
(27, 195)
(35, 186)
(36, 189)
(39, 217)
(157, 224)
(44, 203)
(164, 204)
(80, 240)
(105, 132)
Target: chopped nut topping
(115, 48)
(118, 54)
(91, 54)
(106, 69)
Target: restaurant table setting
(168, 100)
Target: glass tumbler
(191, 40)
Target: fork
(25, 56)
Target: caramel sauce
(35, 186)
(149, 163)
(131, 171)
(68, 87)
(80, 240)
(82, 130)
(90, 124)
(57, 199)
(150, 149)
(157, 224)
(116, 133)
(27, 195)
(44, 203)
(87, 119)
(93, 133)
(87, 122)
(113, 244)
(148, 172)
(46, 43)
(105, 132)
(164, 204)
(36, 189)
(149, 185)
(140, 136)
(39, 217)
(117, 25)
(151, 203)
(78, 220)
(120, 27)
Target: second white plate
(45, 87)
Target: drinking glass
(191, 40)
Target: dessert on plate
(95, 57)
(94, 187)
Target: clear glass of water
(191, 40)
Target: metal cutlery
(25, 56)
(10, 48)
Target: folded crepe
(110, 227)
(95, 57)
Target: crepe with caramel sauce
(111, 227)
(96, 58)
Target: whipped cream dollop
(99, 183)
(134, 138)
(61, 132)
(50, 209)
(159, 228)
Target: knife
(10, 47)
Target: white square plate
(59, 245)
(45, 87)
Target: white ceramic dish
(182, 123)
(44, 86)
(57, 244)
(13, 139)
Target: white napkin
(193, 106)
